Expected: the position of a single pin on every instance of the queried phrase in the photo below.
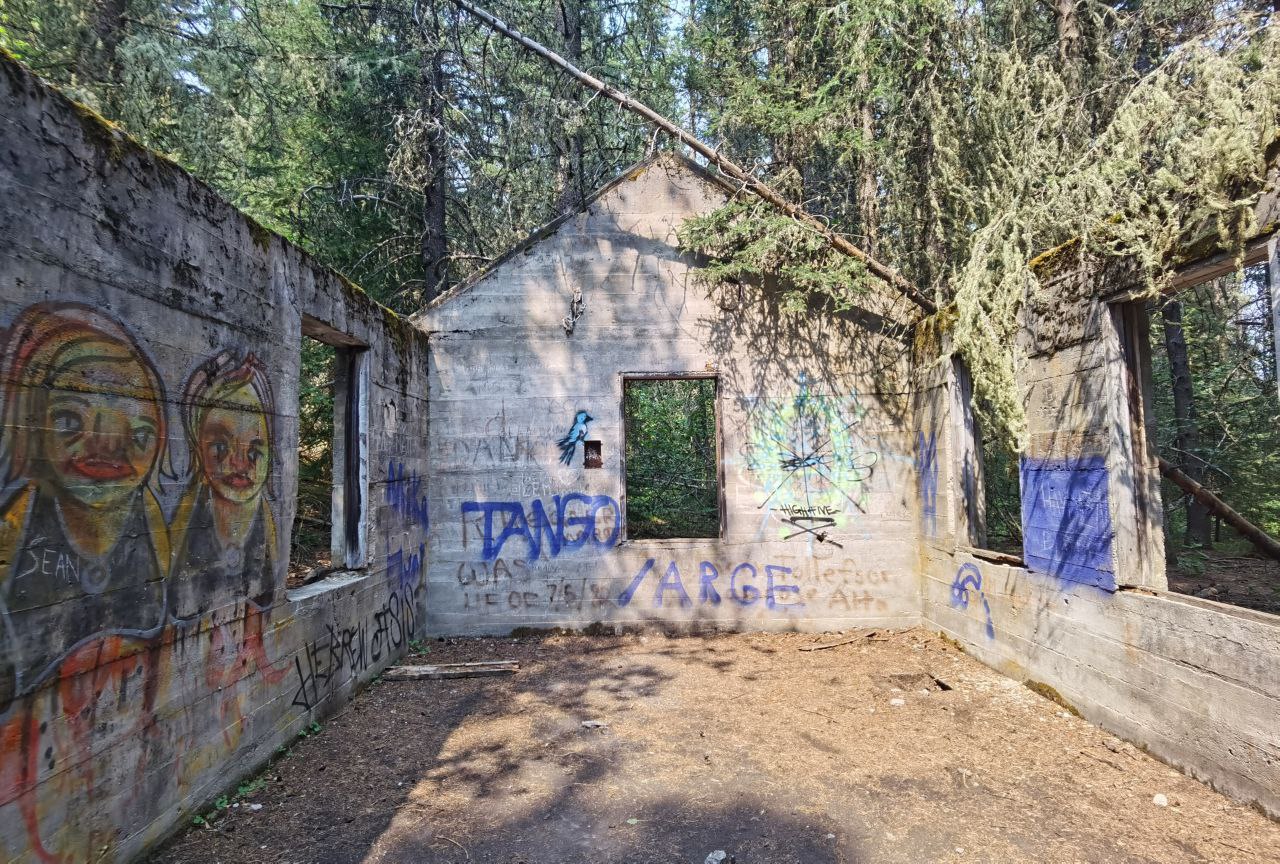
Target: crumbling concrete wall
(149, 653)
(1195, 682)
(819, 497)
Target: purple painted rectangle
(1066, 519)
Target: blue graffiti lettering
(405, 570)
(625, 597)
(671, 582)
(406, 495)
(772, 590)
(927, 480)
(707, 593)
(538, 527)
(969, 581)
(750, 593)
(742, 588)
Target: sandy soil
(739, 744)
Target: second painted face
(234, 445)
(102, 425)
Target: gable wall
(507, 382)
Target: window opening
(990, 482)
(1216, 418)
(672, 459)
(328, 524)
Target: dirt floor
(895, 748)
(1241, 580)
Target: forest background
(407, 146)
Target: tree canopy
(955, 140)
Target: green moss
(1051, 262)
(261, 236)
(1042, 689)
(101, 131)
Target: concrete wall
(1195, 682)
(149, 652)
(507, 381)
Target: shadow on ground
(738, 744)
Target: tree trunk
(1263, 541)
(1070, 37)
(99, 67)
(1187, 440)
(570, 169)
(435, 249)
(1273, 294)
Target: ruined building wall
(150, 654)
(818, 496)
(1195, 682)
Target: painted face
(233, 445)
(101, 431)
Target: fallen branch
(481, 669)
(848, 641)
(1264, 542)
(749, 181)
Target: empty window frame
(1212, 413)
(990, 483)
(329, 522)
(672, 460)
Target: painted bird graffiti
(578, 432)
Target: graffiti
(968, 585)
(342, 653)
(83, 429)
(49, 750)
(572, 512)
(495, 572)
(406, 495)
(577, 432)
(226, 533)
(498, 445)
(405, 571)
(807, 457)
(108, 611)
(741, 586)
(1066, 519)
(927, 480)
(558, 595)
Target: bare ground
(734, 743)
(1241, 580)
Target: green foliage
(313, 521)
(321, 120)
(1231, 353)
(1002, 488)
(244, 790)
(953, 140)
(956, 141)
(672, 478)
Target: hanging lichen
(1009, 152)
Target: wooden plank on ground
(849, 641)
(480, 669)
